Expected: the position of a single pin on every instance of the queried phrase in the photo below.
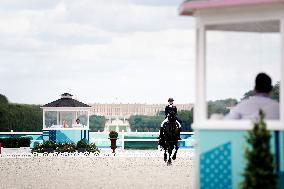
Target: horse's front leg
(175, 154)
(165, 156)
(170, 154)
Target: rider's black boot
(179, 130)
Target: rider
(170, 108)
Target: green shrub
(82, 144)
(260, 167)
(65, 147)
(25, 142)
(40, 148)
(113, 134)
(15, 142)
(49, 144)
(92, 148)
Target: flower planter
(82, 150)
(48, 150)
(113, 144)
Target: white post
(122, 140)
(88, 120)
(43, 118)
(57, 118)
(200, 107)
(282, 72)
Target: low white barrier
(104, 154)
(21, 150)
(123, 140)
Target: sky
(119, 51)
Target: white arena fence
(121, 140)
(104, 154)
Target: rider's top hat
(170, 100)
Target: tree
(186, 119)
(3, 99)
(274, 93)
(20, 117)
(259, 171)
(220, 106)
(97, 122)
(143, 123)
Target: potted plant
(113, 137)
(82, 145)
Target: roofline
(42, 107)
(188, 8)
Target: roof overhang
(66, 108)
(189, 8)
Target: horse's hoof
(174, 157)
(169, 163)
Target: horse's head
(172, 116)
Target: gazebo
(66, 120)
(220, 143)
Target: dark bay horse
(169, 138)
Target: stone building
(126, 110)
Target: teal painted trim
(211, 139)
(277, 151)
(216, 168)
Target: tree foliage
(259, 171)
(143, 123)
(274, 93)
(153, 123)
(3, 99)
(221, 106)
(97, 123)
(20, 117)
(186, 119)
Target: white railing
(122, 139)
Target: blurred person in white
(249, 108)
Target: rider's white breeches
(179, 125)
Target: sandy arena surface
(96, 172)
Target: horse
(169, 138)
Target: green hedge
(15, 142)
(64, 147)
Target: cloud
(133, 50)
(234, 59)
(15, 5)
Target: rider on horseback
(168, 110)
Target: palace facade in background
(126, 110)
